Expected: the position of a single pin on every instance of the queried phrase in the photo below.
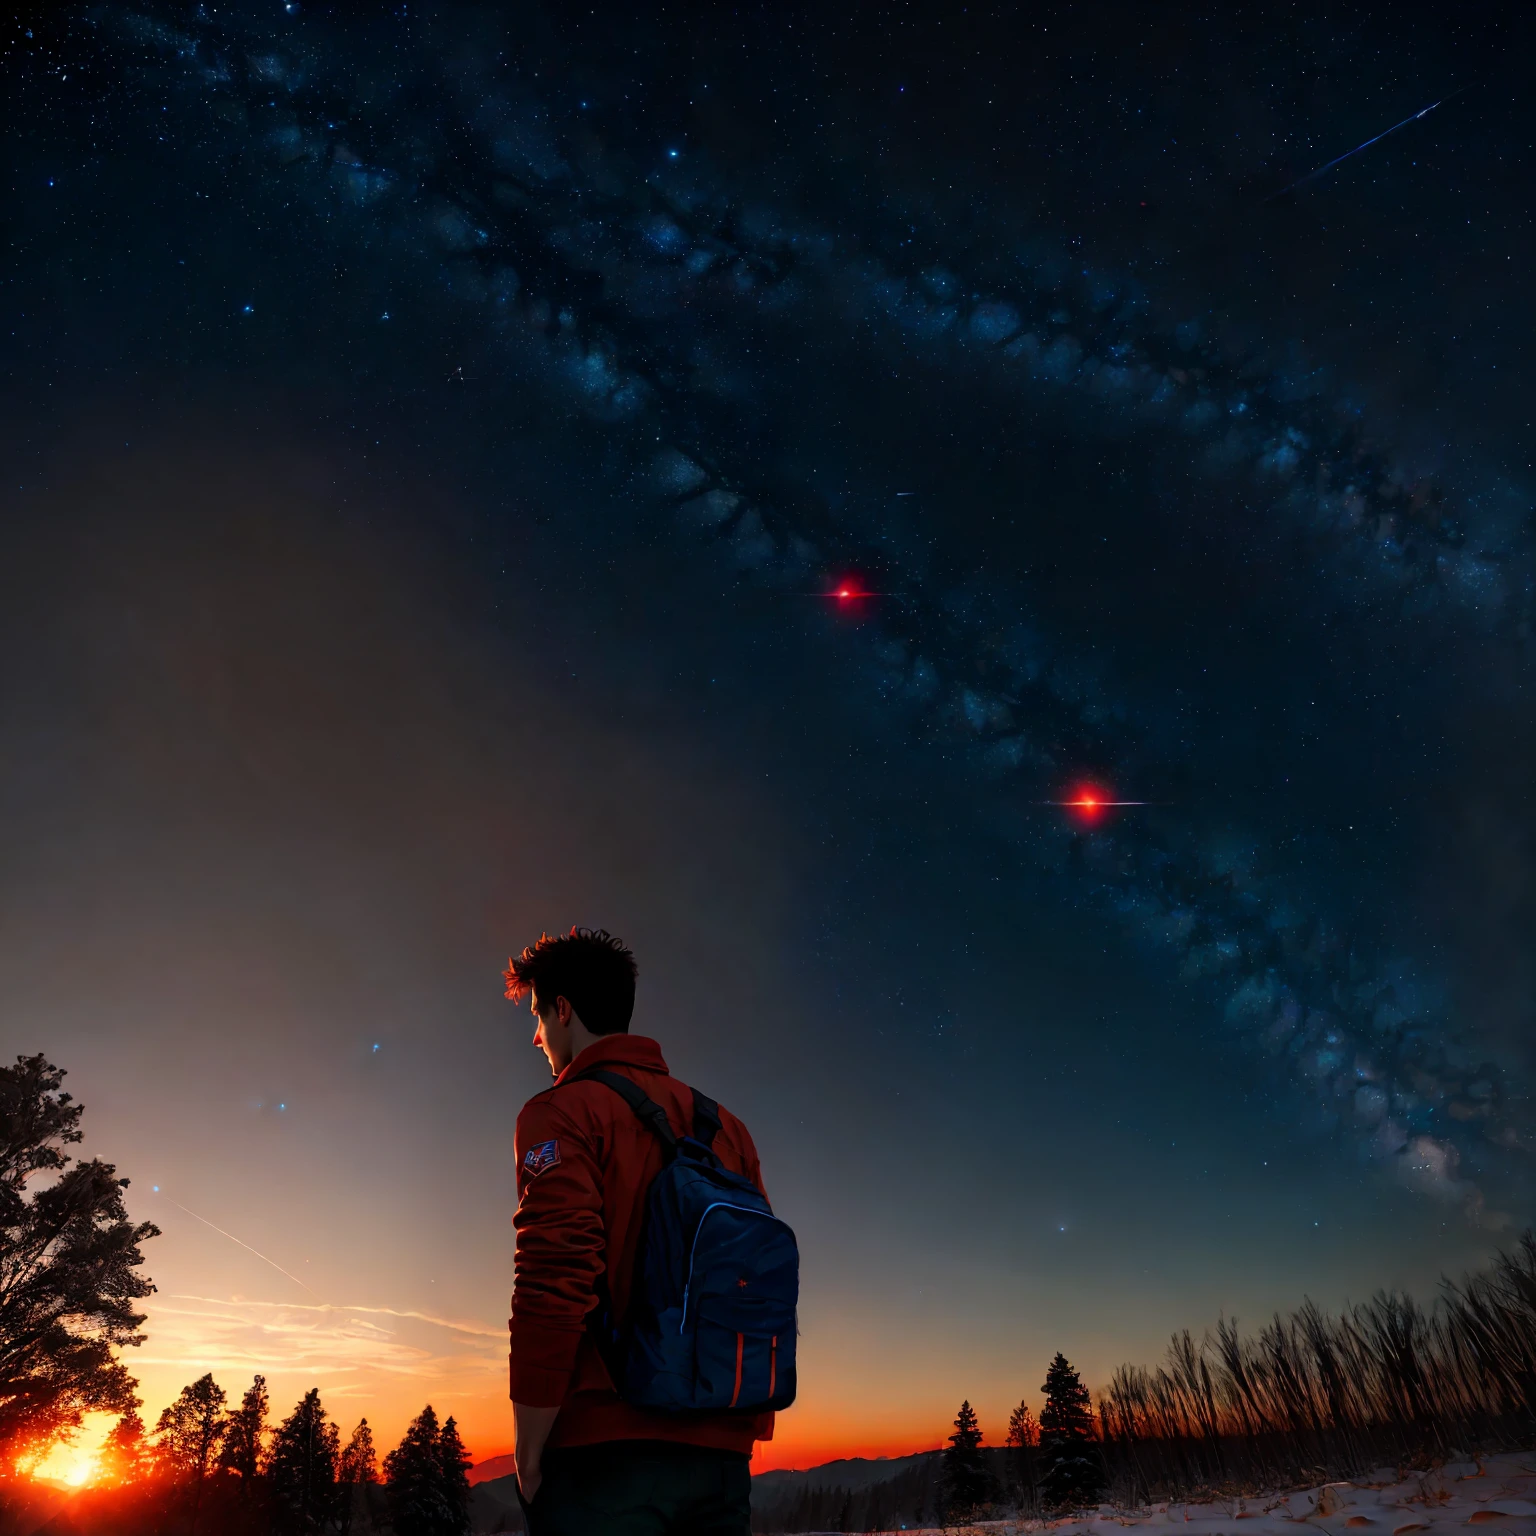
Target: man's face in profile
(552, 1032)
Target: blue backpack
(711, 1324)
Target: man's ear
(564, 1011)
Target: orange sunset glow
(74, 1462)
(385, 1363)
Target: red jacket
(584, 1164)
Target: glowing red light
(843, 592)
(1089, 801)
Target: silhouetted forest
(1308, 1398)
(1314, 1396)
(69, 1262)
(215, 1471)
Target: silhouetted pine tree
(301, 1467)
(455, 1463)
(967, 1482)
(68, 1256)
(800, 1515)
(880, 1509)
(359, 1471)
(189, 1430)
(188, 1434)
(1023, 1438)
(244, 1430)
(413, 1478)
(1074, 1471)
(124, 1456)
(359, 1463)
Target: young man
(589, 1464)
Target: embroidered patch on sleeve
(537, 1159)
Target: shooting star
(847, 592)
(1091, 803)
(231, 1236)
(1324, 169)
(1088, 803)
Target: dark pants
(642, 1488)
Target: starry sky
(435, 436)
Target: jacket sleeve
(560, 1252)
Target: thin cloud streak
(326, 1306)
(241, 1243)
(224, 1333)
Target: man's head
(579, 986)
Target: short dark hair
(593, 971)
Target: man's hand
(532, 1426)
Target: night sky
(434, 437)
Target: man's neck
(581, 1038)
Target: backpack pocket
(743, 1283)
(747, 1372)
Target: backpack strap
(706, 1112)
(706, 1119)
(645, 1107)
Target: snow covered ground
(1500, 1491)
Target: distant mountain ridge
(495, 1466)
(853, 1487)
(852, 1472)
(855, 1494)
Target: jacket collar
(617, 1051)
